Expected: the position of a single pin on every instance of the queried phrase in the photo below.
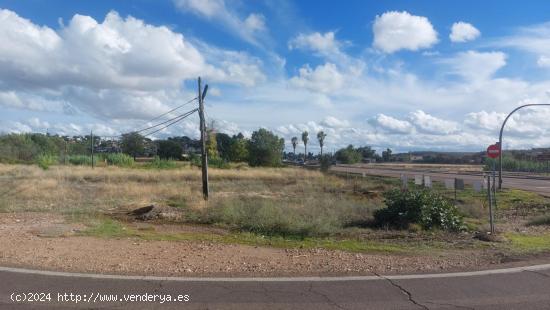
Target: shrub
(325, 162)
(543, 220)
(349, 155)
(81, 160)
(423, 207)
(218, 163)
(44, 161)
(509, 163)
(169, 149)
(318, 217)
(119, 159)
(158, 163)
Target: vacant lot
(308, 222)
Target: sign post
(493, 151)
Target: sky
(405, 75)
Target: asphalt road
(519, 289)
(541, 186)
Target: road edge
(278, 279)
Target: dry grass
(68, 189)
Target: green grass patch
(513, 198)
(109, 228)
(81, 160)
(118, 159)
(158, 163)
(529, 243)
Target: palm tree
(294, 143)
(305, 139)
(321, 135)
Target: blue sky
(409, 75)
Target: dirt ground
(47, 241)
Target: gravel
(46, 241)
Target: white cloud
(543, 61)
(462, 32)
(394, 31)
(255, 22)
(524, 124)
(534, 39)
(476, 66)
(324, 44)
(118, 68)
(391, 124)
(251, 29)
(484, 120)
(333, 122)
(208, 8)
(430, 124)
(324, 78)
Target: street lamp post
(500, 137)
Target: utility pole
(92, 146)
(65, 154)
(204, 155)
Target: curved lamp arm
(500, 137)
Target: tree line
(263, 148)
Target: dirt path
(46, 241)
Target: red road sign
(493, 151)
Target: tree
(211, 145)
(349, 155)
(238, 151)
(224, 142)
(321, 135)
(169, 149)
(367, 151)
(305, 139)
(294, 143)
(386, 155)
(265, 148)
(133, 144)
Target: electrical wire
(164, 122)
(179, 118)
(174, 109)
(159, 124)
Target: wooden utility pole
(92, 146)
(204, 155)
(65, 154)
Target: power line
(174, 109)
(166, 121)
(150, 127)
(178, 119)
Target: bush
(325, 162)
(349, 155)
(317, 217)
(81, 160)
(169, 149)
(158, 163)
(543, 220)
(218, 163)
(423, 207)
(44, 161)
(509, 163)
(119, 159)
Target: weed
(44, 161)
(540, 220)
